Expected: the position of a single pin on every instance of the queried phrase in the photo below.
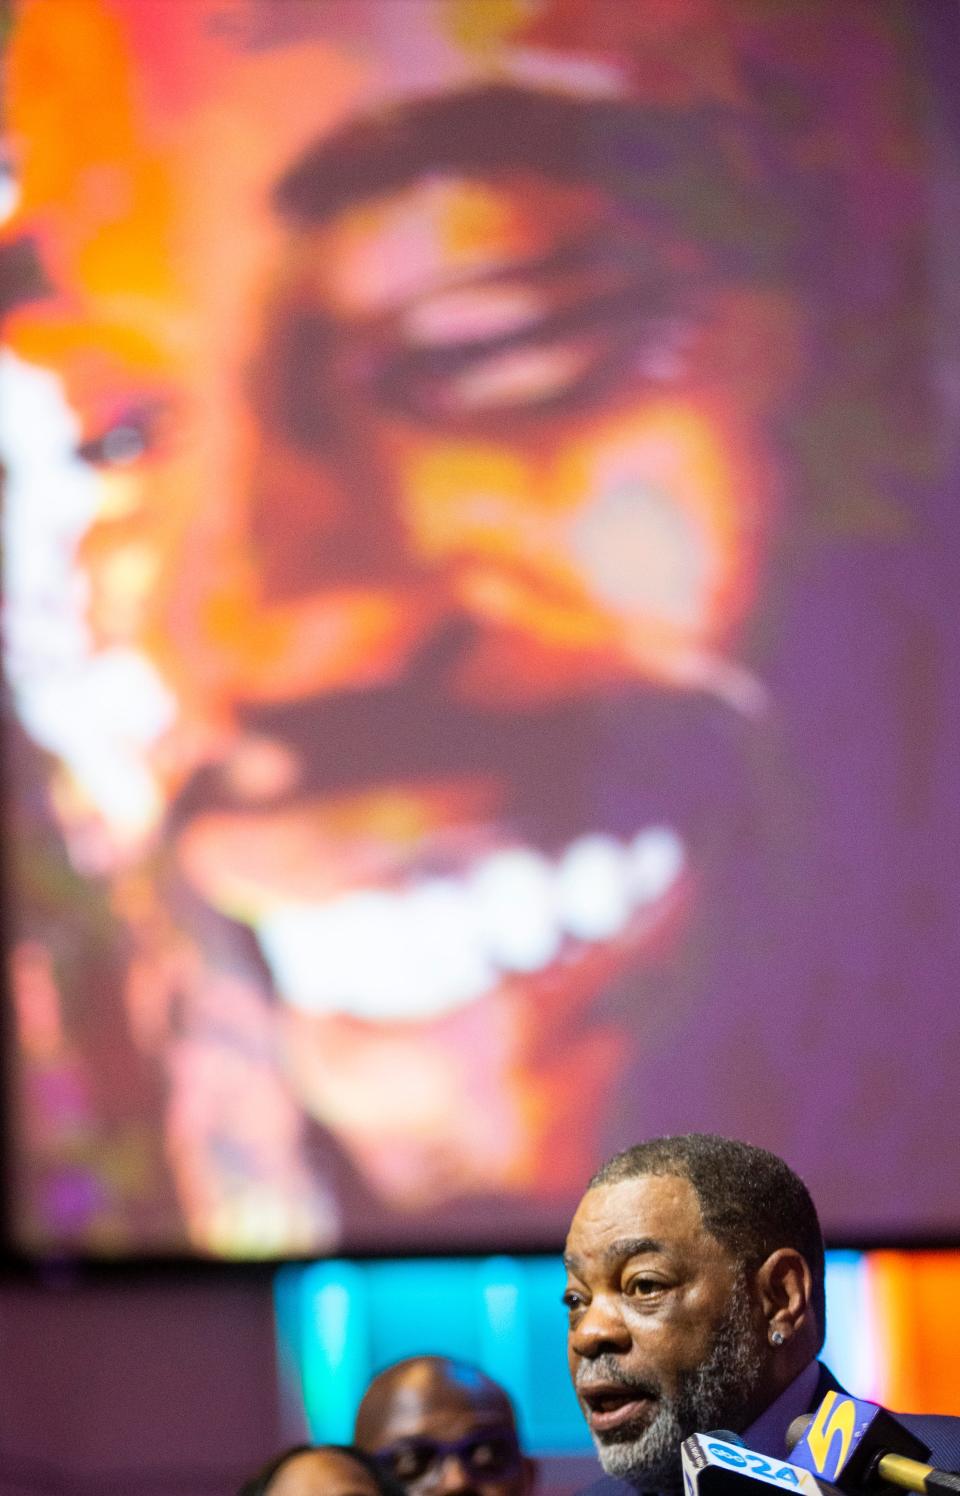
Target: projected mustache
(555, 873)
(424, 949)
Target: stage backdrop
(480, 545)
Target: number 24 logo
(744, 1459)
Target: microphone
(720, 1464)
(796, 1431)
(859, 1446)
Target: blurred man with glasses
(439, 1425)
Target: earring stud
(776, 1337)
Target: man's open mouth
(613, 1408)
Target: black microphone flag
(861, 1447)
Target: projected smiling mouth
(425, 851)
(423, 949)
(431, 944)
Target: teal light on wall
(851, 1349)
(340, 1322)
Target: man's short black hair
(750, 1200)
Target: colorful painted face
(491, 493)
(385, 606)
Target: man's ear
(785, 1286)
(531, 1470)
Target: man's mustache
(605, 1372)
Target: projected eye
(123, 442)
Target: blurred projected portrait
(397, 492)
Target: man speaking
(695, 1293)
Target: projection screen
(480, 541)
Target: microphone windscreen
(796, 1431)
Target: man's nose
(454, 1477)
(600, 1329)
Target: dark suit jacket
(939, 1432)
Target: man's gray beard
(710, 1397)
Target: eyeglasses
(418, 1463)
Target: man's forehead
(647, 1213)
(314, 1470)
(429, 1398)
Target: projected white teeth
(378, 954)
(593, 895)
(655, 862)
(427, 949)
(515, 914)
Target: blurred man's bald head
(443, 1425)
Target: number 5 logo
(831, 1433)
